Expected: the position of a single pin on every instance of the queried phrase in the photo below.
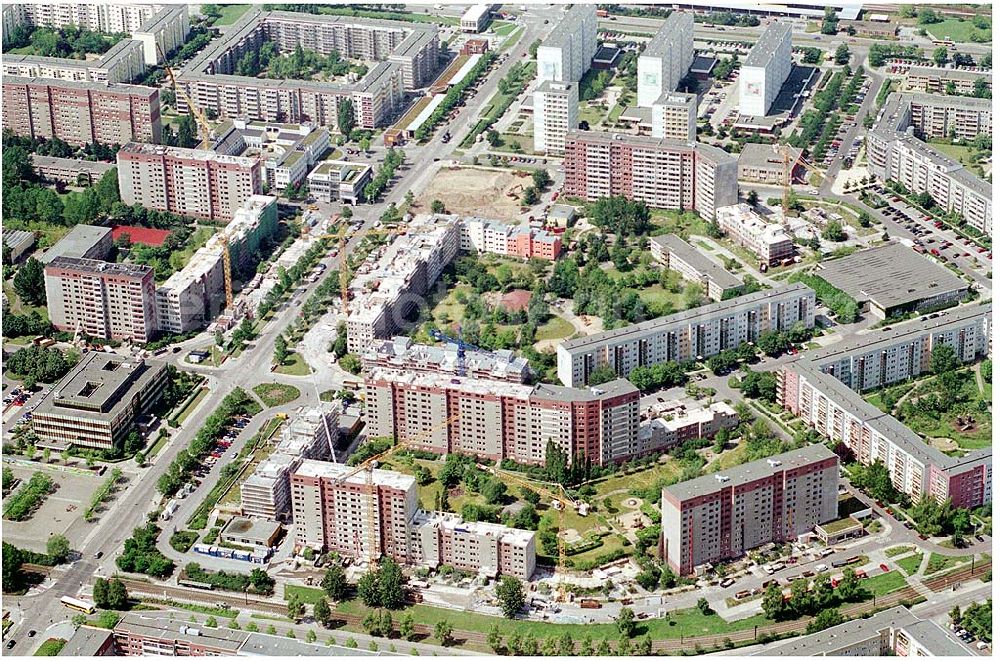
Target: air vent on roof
(722, 478)
(773, 462)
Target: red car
(884, 567)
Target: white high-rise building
(565, 55)
(667, 58)
(765, 70)
(556, 113)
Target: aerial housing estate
(824, 389)
(404, 56)
(897, 151)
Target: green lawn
(687, 622)
(502, 28)
(960, 153)
(553, 329)
(276, 394)
(51, 647)
(294, 365)
(192, 405)
(955, 29)
(307, 594)
(884, 583)
(661, 301)
(449, 310)
(231, 14)
(939, 562)
(593, 115)
(911, 563)
(898, 550)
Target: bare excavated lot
(476, 191)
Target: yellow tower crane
(789, 165)
(205, 133)
(560, 502)
(369, 465)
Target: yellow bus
(78, 605)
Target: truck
(590, 603)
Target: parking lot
(60, 513)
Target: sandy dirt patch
(476, 192)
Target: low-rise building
(251, 533)
(136, 635)
(400, 353)
(892, 279)
(489, 236)
(936, 80)
(20, 243)
(745, 227)
(488, 549)
(721, 516)
(686, 336)
(475, 18)
(89, 641)
(100, 299)
(340, 181)
(674, 426)
(288, 151)
(82, 242)
(761, 164)
(893, 632)
(676, 254)
(71, 171)
(96, 404)
(871, 29)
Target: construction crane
(369, 465)
(789, 165)
(205, 133)
(462, 345)
(205, 129)
(345, 278)
(560, 502)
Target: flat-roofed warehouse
(893, 279)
